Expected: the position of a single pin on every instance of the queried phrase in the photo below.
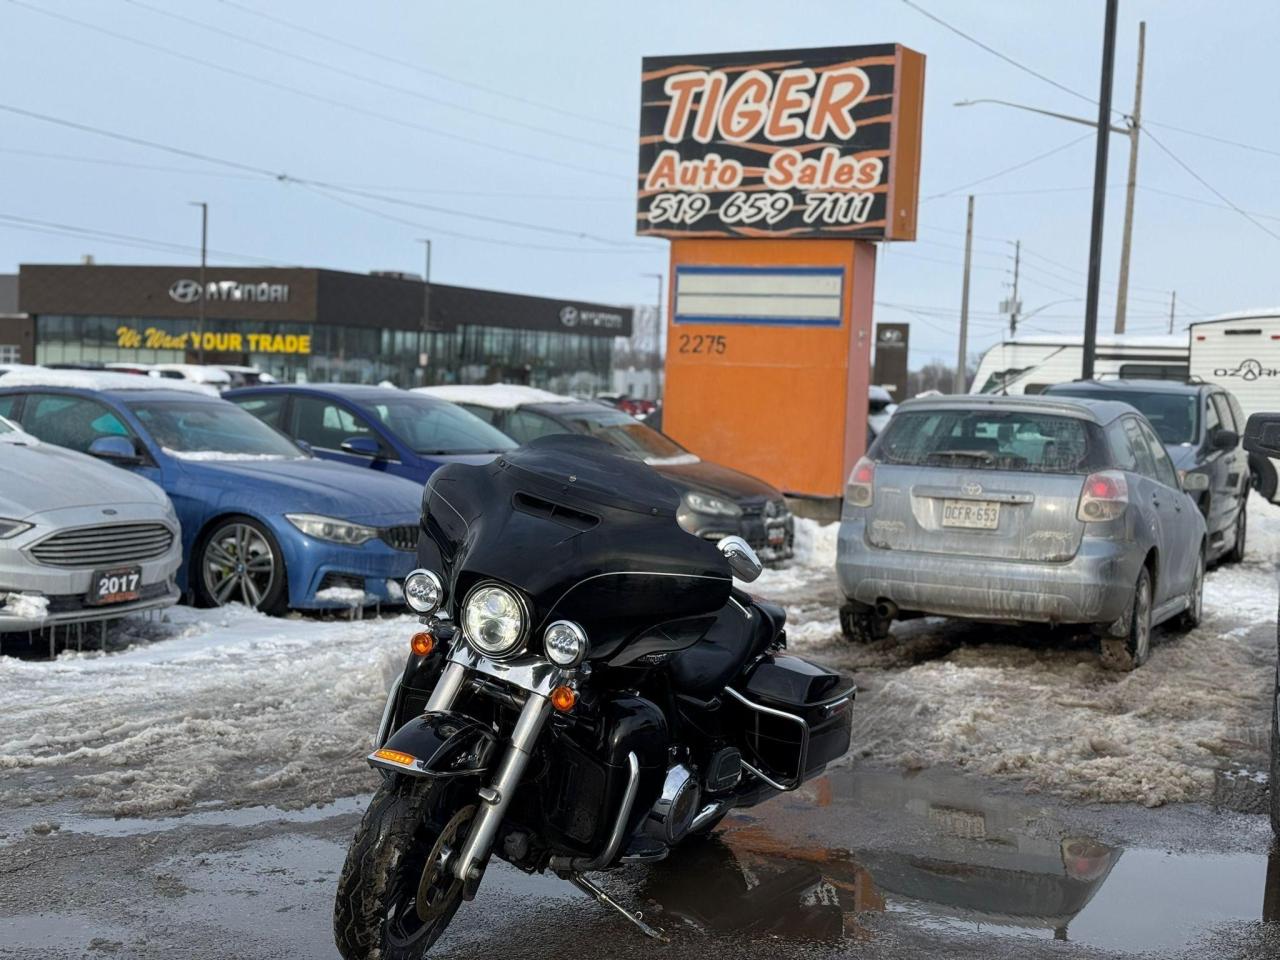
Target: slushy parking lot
(1002, 789)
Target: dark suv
(1200, 424)
(716, 500)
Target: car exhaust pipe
(886, 609)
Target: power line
(282, 177)
(1210, 187)
(996, 53)
(162, 168)
(319, 98)
(443, 231)
(16, 222)
(426, 71)
(1212, 137)
(365, 78)
(1000, 173)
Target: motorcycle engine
(672, 815)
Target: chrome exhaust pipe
(886, 609)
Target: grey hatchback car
(1021, 509)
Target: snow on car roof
(500, 396)
(193, 371)
(98, 380)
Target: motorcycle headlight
(11, 528)
(423, 591)
(493, 620)
(706, 503)
(566, 643)
(335, 531)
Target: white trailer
(1241, 352)
(1029, 364)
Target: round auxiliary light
(566, 643)
(423, 591)
(493, 620)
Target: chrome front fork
(496, 796)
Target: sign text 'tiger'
(785, 143)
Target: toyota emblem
(971, 489)
(569, 316)
(185, 291)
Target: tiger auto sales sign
(788, 143)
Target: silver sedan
(1021, 509)
(79, 539)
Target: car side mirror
(115, 449)
(742, 559)
(1262, 434)
(303, 446)
(1224, 439)
(362, 447)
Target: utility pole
(1173, 303)
(425, 326)
(1135, 130)
(1099, 190)
(1014, 305)
(961, 380)
(204, 250)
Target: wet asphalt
(864, 862)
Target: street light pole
(1135, 126)
(425, 326)
(1099, 190)
(961, 384)
(204, 250)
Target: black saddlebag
(796, 717)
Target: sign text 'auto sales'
(793, 143)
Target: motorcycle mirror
(742, 559)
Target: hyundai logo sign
(185, 291)
(576, 317)
(188, 291)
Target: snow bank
(212, 705)
(1035, 705)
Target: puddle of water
(221, 817)
(942, 853)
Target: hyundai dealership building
(308, 325)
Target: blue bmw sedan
(380, 428)
(263, 523)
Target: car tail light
(1104, 497)
(862, 483)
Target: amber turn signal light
(396, 756)
(563, 698)
(422, 643)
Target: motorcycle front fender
(444, 744)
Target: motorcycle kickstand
(597, 894)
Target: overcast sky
(474, 113)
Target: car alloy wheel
(1142, 621)
(239, 563)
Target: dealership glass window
(10, 353)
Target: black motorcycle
(588, 688)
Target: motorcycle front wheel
(396, 895)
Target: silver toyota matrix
(1017, 509)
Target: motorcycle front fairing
(584, 534)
